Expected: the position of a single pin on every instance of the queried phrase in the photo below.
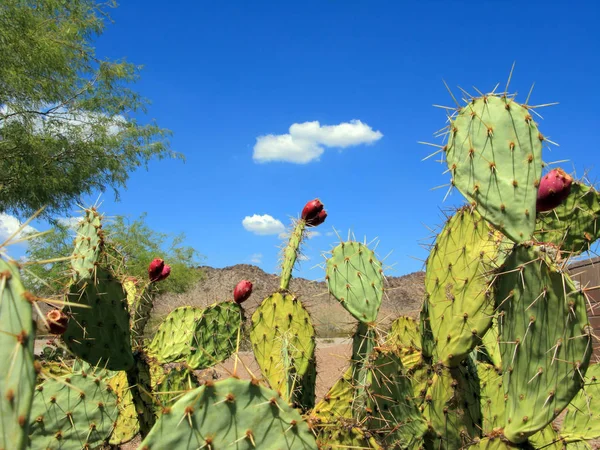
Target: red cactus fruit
(155, 269)
(554, 188)
(313, 213)
(165, 273)
(242, 291)
(57, 321)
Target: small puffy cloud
(70, 222)
(10, 224)
(263, 225)
(256, 258)
(305, 142)
(330, 233)
(312, 234)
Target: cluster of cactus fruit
(502, 345)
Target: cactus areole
(57, 321)
(554, 188)
(242, 291)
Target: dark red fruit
(57, 321)
(242, 291)
(313, 213)
(554, 188)
(155, 269)
(165, 273)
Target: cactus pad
(574, 224)
(355, 278)
(72, 413)
(173, 340)
(242, 415)
(583, 414)
(17, 374)
(492, 397)
(494, 154)
(215, 336)
(405, 333)
(88, 246)
(98, 332)
(283, 340)
(461, 305)
(544, 339)
(127, 425)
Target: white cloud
(305, 142)
(10, 224)
(312, 234)
(330, 233)
(70, 222)
(256, 258)
(263, 225)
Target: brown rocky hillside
(404, 295)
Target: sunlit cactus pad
(459, 270)
(233, 414)
(173, 340)
(544, 339)
(71, 413)
(88, 246)
(283, 340)
(494, 154)
(17, 374)
(98, 331)
(215, 335)
(355, 278)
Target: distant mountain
(403, 295)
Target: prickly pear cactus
(126, 426)
(173, 340)
(17, 373)
(175, 383)
(88, 243)
(283, 340)
(582, 420)
(72, 412)
(459, 268)
(242, 415)
(573, 225)
(544, 339)
(404, 333)
(216, 334)
(493, 400)
(98, 331)
(494, 154)
(355, 278)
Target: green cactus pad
(232, 413)
(583, 414)
(497, 443)
(175, 383)
(140, 303)
(355, 278)
(17, 373)
(573, 225)
(493, 401)
(216, 334)
(88, 246)
(494, 154)
(461, 305)
(427, 342)
(346, 436)
(173, 339)
(337, 403)
(452, 407)
(544, 339)
(405, 333)
(283, 340)
(492, 347)
(393, 416)
(72, 412)
(98, 332)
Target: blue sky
(222, 74)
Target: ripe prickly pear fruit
(313, 213)
(165, 273)
(554, 188)
(242, 291)
(155, 269)
(57, 321)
